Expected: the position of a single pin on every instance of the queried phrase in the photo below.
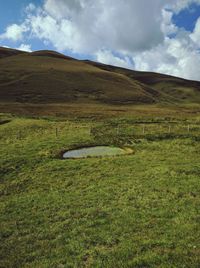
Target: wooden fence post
(19, 135)
(143, 130)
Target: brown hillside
(7, 52)
(173, 89)
(50, 77)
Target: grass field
(139, 210)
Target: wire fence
(121, 130)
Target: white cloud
(167, 25)
(63, 9)
(176, 57)
(118, 32)
(30, 8)
(196, 33)
(87, 26)
(108, 57)
(14, 32)
(25, 47)
(178, 5)
(62, 34)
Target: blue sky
(163, 37)
(187, 17)
(11, 11)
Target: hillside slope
(6, 52)
(50, 77)
(173, 89)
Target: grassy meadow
(139, 210)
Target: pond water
(96, 151)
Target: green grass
(139, 210)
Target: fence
(137, 129)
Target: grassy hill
(131, 211)
(50, 77)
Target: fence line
(120, 129)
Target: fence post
(188, 128)
(169, 129)
(143, 129)
(19, 135)
(56, 132)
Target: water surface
(95, 152)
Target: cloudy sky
(148, 35)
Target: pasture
(137, 210)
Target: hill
(50, 77)
(6, 52)
(131, 210)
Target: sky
(147, 35)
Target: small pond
(96, 151)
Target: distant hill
(6, 52)
(50, 77)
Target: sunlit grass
(138, 210)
